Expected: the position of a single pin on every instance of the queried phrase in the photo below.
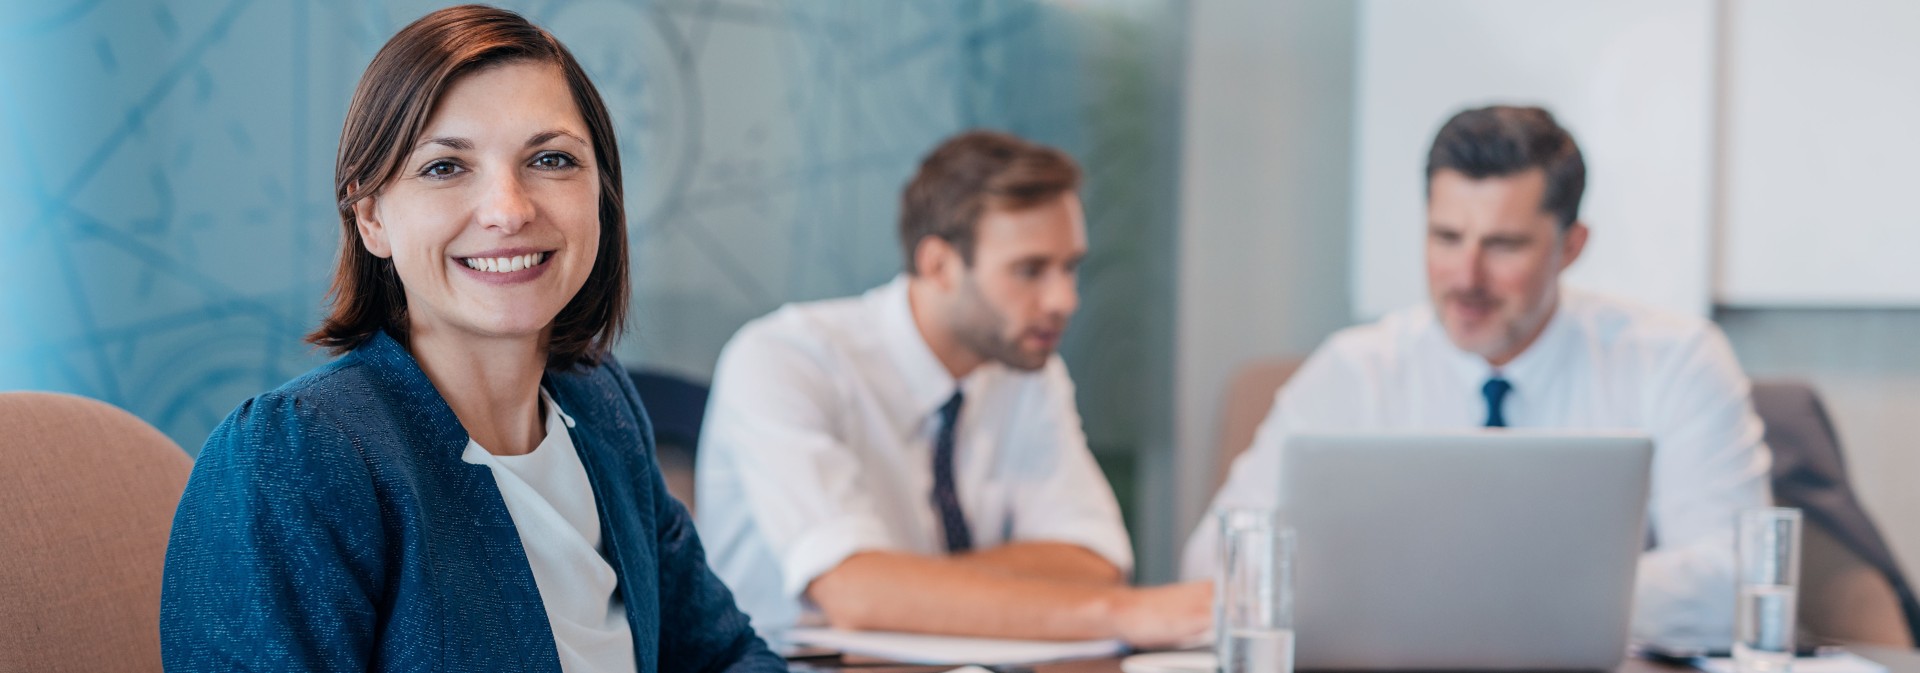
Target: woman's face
(493, 221)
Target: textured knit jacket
(330, 525)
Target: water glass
(1253, 593)
(1768, 549)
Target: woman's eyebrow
(455, 143)
(547, 135)
(465, 144)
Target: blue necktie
(946, 499)
(1496, 391)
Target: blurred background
(168, 229)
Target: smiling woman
(470, 485)
(427, 141)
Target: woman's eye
(440, 169)
(553, 160)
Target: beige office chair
(1851, 588)
(1844, 599)
(87, 494)
(1249, 398)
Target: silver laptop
(1498, 550)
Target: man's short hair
(1503, 140)
(972, 172)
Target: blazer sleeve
(275, 561)
(701, 629)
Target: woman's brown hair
(390, 110)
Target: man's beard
(1509, 334)
(983, 330)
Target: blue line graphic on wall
(166, 168)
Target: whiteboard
(1633, 81)
(1822, 154)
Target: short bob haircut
(390, 110)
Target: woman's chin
(519, 329)
(508, 326)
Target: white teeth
(504, 264)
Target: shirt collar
(927, 382)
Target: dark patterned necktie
(946, 499)
(1496, 391)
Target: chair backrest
(1249, 398)
(1851, 588)
(89, 493)
(677, 407)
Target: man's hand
(1167, 616)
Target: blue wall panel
(166, 174)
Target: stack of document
(1845, 662)
(913, 648)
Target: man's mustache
(1472, 297)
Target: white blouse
(552, 504)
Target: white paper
(1846, 662)
(913, 648)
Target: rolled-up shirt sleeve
(769, 422)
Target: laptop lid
(1483, 550)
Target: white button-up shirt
(1599, 364)
(818, 443)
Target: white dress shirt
(1600, 364)
(818, 443)
(552, 505)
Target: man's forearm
(1052, 561)
(902, 592)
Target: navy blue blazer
(330, 525)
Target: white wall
(1263, 212)
(1632, 80)
(1820, 148)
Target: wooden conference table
(1896, 660)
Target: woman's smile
(505, 199)
(506, 266)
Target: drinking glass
(1768, 549)
(1253, 593)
